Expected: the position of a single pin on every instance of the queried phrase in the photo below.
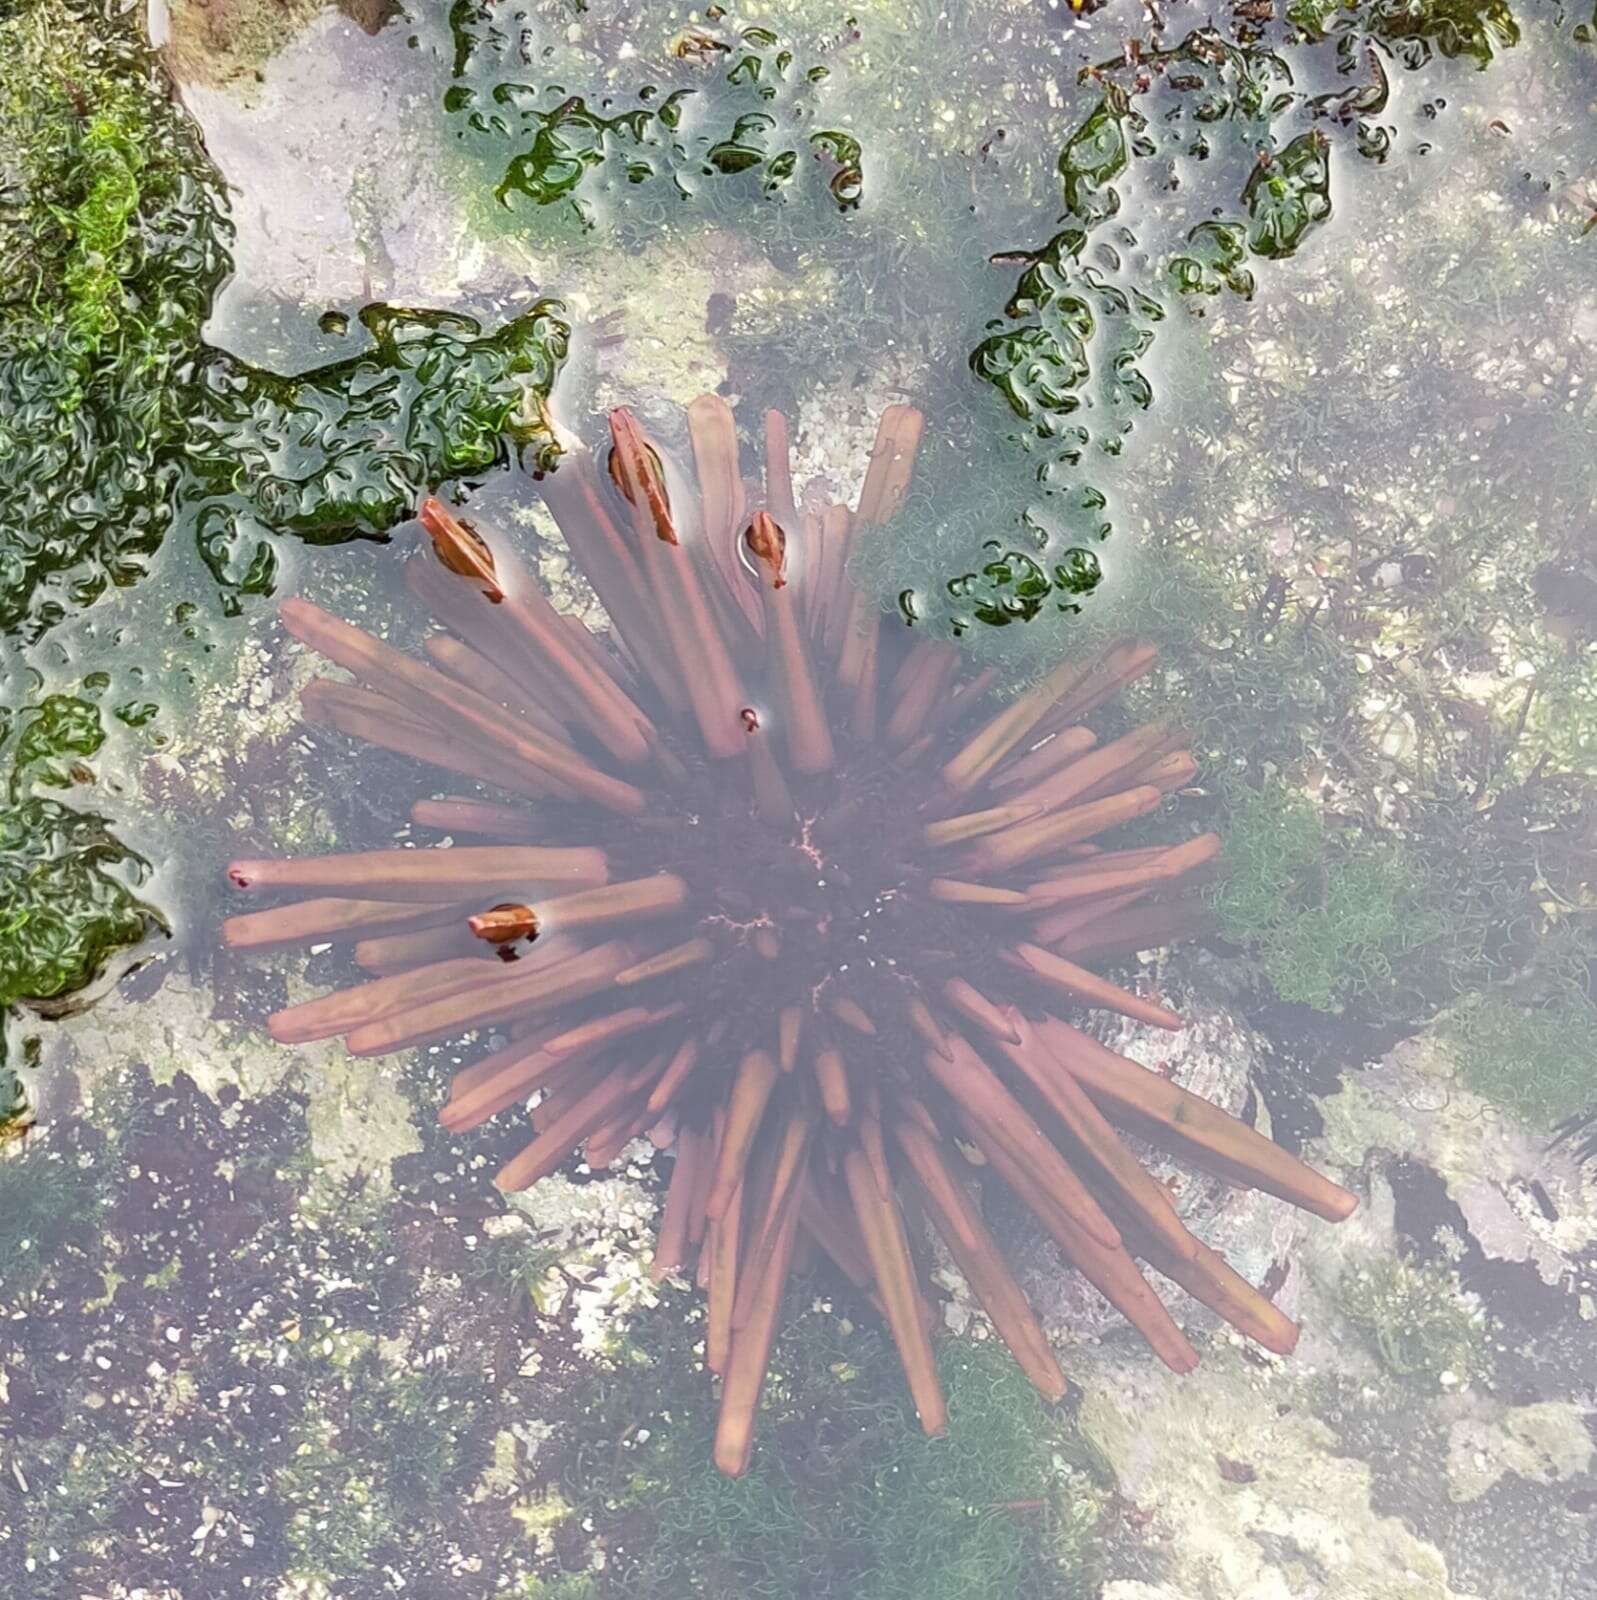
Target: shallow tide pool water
(936, 577)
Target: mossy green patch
(68, 886)
(372, 1443)
(1329, 922)
(1537, 1061)
(1418, 1319)
(111, 245)
(846, 1495)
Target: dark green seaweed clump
(112, 245)
(118, 422)
(68, 886)
(347, 450)
(119, 425)
(730, 102)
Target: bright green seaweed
(120, 423)
(68, 886)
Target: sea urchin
(783, 889)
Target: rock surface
(1432, 1437)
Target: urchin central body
(800, 915)
(785, 891)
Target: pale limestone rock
(1304, 1525)
(358, 1118)
(345, 229)
(1413, 1105)
(173, 1031)
(603, 1230)
(1542, 1443)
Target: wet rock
(253, 706)
(599, 1230)
(371, 16)
(1413, 1106)
(1220, 1058)
(358, 1118)
(1543, 1443)
(368, 216)
(1305, 1525)
(1407, 1449)
(228, 41)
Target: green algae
(1330, 925)
(1533, 1060)
(121, 424)
(1418, 1319)
(371, 1442)
(732, 102)
(64, 910)
(1474, 29)
(1006, 1502)
(1206, 115)
(69, 889)
(1069, 355)
(112, 243)
(347, 450)
(59, 727)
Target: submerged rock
(1249, 1493)
(1407, 1449)
(600, 1231)
(1544, 1443)
(1414, 1107)
(358, 1118)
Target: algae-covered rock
(1414, 1106)
(224, 41)
(1252, 1495)
(1354, 1469)
(357, 1119)
(597, 1231)
(1417, 1318)
(1542, 1443)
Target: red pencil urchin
(783, 890)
